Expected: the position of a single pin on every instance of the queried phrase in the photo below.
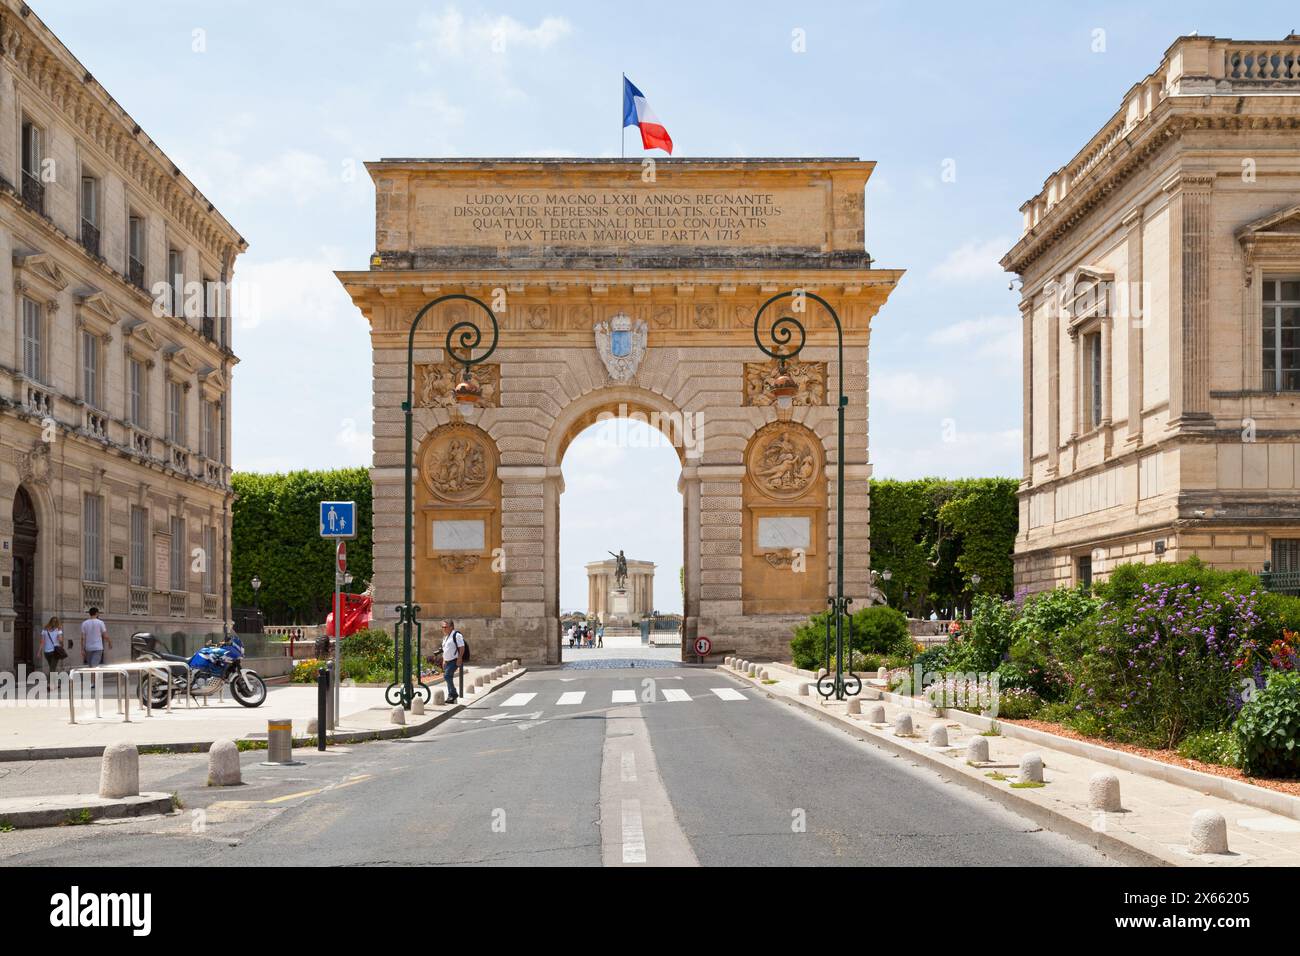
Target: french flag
(637, 112)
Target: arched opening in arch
(621, 462)
(26, 534)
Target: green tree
(275, 535)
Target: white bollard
(881, 673)
(398, 716)
(1103, 792)
(855, 705)
(223, 764)
(119, 772)
(417, 706)
(1031, 768)
(903, 725)
(977, 750)
(938, 735)
(439, 697)
(876, 715)
(764, 675)
(1209, 832)
(805, 690)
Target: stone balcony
(1192, 67)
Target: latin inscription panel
(784, 532)
(459, 535)
(620, 216)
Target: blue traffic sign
(338, 519)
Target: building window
(33, 339)
(1286, 554)
(135, 245)
(1281, 314)
(178, 554)
(33, 188)
(176, 281)
(1085, 571)
(136, 409)
(211, 308)
(209, 560)
(175, 413)
(1093, 381)
(139, 553)
(210, 444)
(90, 214)
(92, 532)
(90, 368)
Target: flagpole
(622, 130)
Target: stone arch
(784, 535)
(625, 401)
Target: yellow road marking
(295, 796)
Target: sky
(272, 108)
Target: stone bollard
(279, 741)
(855, 705)
(876, 715)
(882, 673)
(478, 683)
(223, 764)
(1103, 792)
(903, 725)
(805, 690)
(119, 772)
(938, 735)
(439, 697)
(417, 706)
(398, 716)
(1209, 832)
(752, 670)
(977, 751)
(764, 675)
(1031, 768)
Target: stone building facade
(640, 588)
(625, 289)
(1161, 317)
(114, 376)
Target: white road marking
(629, 767)
(518, 700)
(633, 834)
(727, 693)
(571, 697)
(676, 694)
(623, 697)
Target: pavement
(621, 767)
(1155, 821)
(31, 728)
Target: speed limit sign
(702, 646)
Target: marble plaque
(785, 531)
(461, 535)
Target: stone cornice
(1170, 121)
(43, 61)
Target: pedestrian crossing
(670, 695)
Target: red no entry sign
(341, 556)
(702, 646)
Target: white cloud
(449, 34)
(995, 338)
(911, 391)
(357, 444)
(974, 261)
(946, 449)
(293, 290)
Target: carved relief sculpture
(458, 463)
(621, 345)
(783, 462)
(434, 384)
(809, 376)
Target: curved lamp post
(788, 336)
(463, 337)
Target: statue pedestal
(620, 608)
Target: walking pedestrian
(453, 649)
(94, 635)
(600, 635)
(52, 645)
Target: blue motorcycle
(212, 667)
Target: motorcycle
(212, 667)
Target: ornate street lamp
(256, 585)
(785, 346)
(463, 337)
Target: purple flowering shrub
(1162, 664)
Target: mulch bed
(1291, 787)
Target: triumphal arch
(619, 288)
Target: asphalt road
(663, 766)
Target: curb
(1123, 851)
(202, 746)
(63, 809)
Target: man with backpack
(454, 655)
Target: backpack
(464, 643)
